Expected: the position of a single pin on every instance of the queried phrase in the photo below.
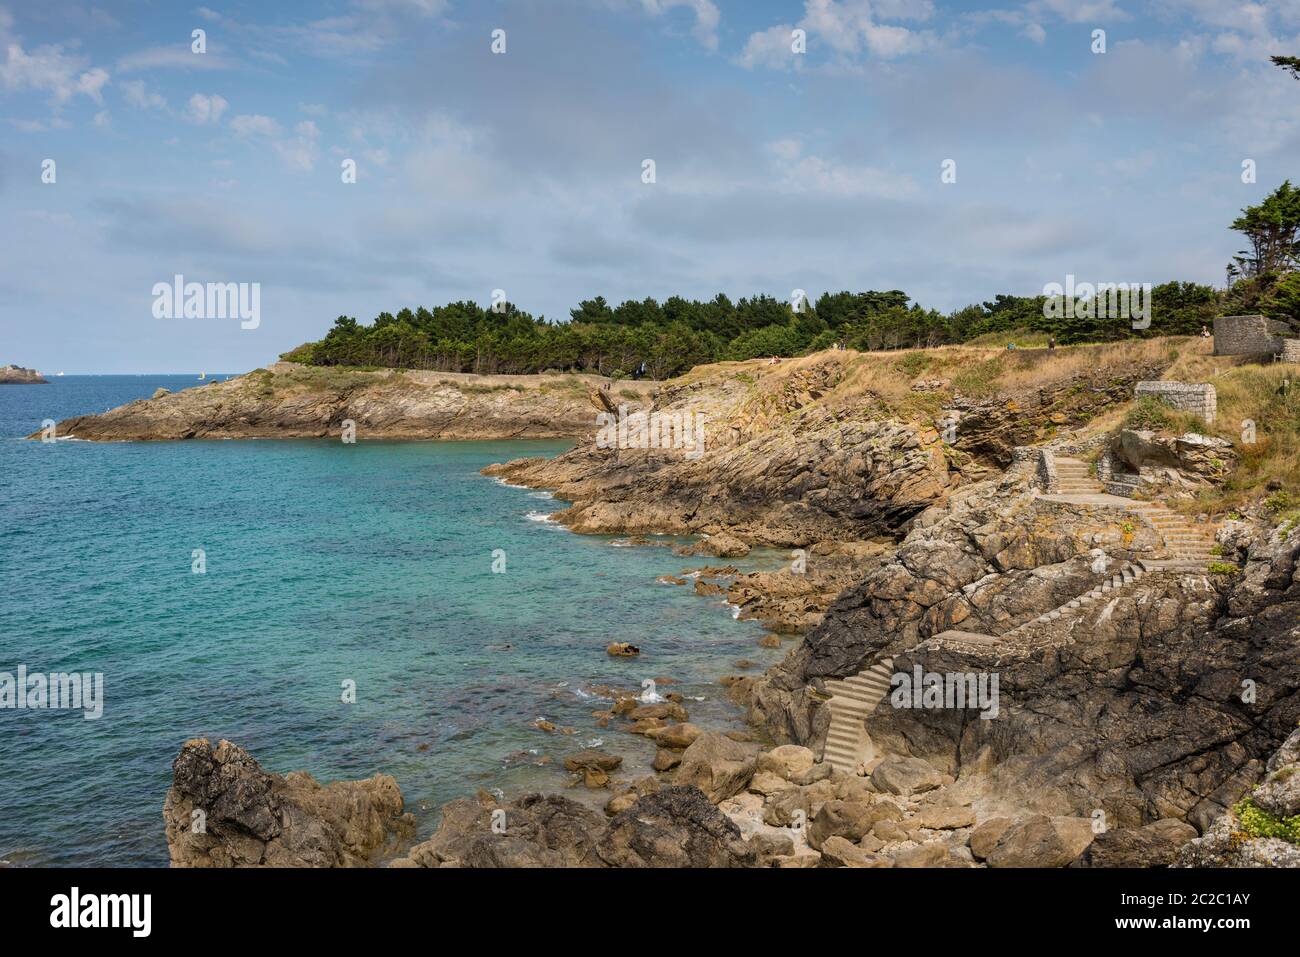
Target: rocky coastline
(289, 400)
(1155, 726)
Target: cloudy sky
(522, 170)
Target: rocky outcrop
(1162, 702)
(288, 400)
(670, 827)
(994, 556)
(17, 375)
(224, 810)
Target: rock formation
(224, 810)
(294, 401)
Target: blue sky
(522, 171)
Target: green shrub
(1259, 823)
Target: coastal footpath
(287, 400)
(17, 375)
(948, 512)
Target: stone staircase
(852, 699)
(1184, 541)
(1127, 575)
(1074, 477)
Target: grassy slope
(1269, 468)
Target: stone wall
(1291, 350)
(1248, 335)
(1047, 473)
(1198, 399)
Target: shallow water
(324, 563)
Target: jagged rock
(1196, 456)
(945, 818)
(622, 649)
(987, 834)
(851, 820)
(531, 831)
(1042, 841)
(675, 827)
(929, 854)
(591, 758)
(666, 760)
(249, 817)
(720, 545)
(768, 847)
(838, 852)
(665, 710)
(767, 783)
(1152, 845)
(787, 760)
(676, 737)
(717, 766)
(905, 776)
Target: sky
(523, 170)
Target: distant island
(17, 375)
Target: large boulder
(224, 810)
(787, 761)
(1042, 841)
(1152, 845)
(839, 852)
(717, 765)
(906, 776)
(674, 827)
(851, 820)
(531, 831)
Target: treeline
(659, 340)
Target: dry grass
(1269, 468)
(881, 383)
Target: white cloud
(203, 109)
(46, 69)
(300, 152)
(139, 96)
(254, 125)
(772, 48)
(179, 57)
(847, 27)
(706, 13)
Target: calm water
(325, 563)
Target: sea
(339, 609)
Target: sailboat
(202, 376)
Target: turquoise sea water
(325, 563)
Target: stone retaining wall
(1198, 399)
(1248, 335)
(1291, 350)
